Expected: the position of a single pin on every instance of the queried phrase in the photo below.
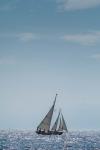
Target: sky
(49, 47)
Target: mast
(46, 122)
(56, 123)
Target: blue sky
(49, 47)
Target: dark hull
(49, 132)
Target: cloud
(89, 38)
(27, 36)
(8, 5)
(77, 4)
(7, 61)
(24, 36)
(5, 8)
(96, 56)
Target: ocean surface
(28, 140)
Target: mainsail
(56, 123)
(45, 124)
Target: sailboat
(59, 126)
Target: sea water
(28, 140)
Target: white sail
(56, 123)
(64, 127)
(60, 125)
(45, 124)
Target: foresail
(64, 124)
(60, 125)
(56, 123)
(45, 124)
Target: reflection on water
(28, 140)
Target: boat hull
(49, 132)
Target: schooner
(59, 126)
